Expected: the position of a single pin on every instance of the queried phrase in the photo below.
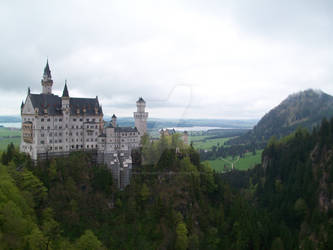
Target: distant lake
(196, 128)
(11, 124)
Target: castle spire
(47, 81)
(65, 92)
(47, 71)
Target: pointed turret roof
(47, 71)
(141, 100)
(114, 116)
(65, 92)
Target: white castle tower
(47, 81)
(140, 116)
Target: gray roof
(47, 71)
(65, 92)
(53, 105)
(141, 100)
(125, 129)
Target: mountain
(303, 109)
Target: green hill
(304, 109)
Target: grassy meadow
(203, 142)
(248, 161)
(8, 136)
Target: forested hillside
(304, 109)
(174, 201)
(294, 187)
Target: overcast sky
(187, 59)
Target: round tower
(140, 116)
(114, 121)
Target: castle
(55, 126)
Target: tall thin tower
(47, 81)
(140, 116)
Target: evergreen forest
(174, 200)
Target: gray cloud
(216, 59)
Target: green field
(9, 132)
(4, 142)
(8, 136)
(248, 161)
(203, 142)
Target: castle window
(60, 127)
(42, 119)
(41, 142)
(60, 148)
(93, 119)
(48, 119)
(50, 148)
(42, 135)
(56, 148)
(55, 141)
(48, 127)
(87, 119)
(55, 119)
(74, 120)
(60, 141)
(42, 127)
(50, 141)
(60, 119)
(60, 134)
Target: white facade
(55, 126)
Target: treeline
(34, 204)
(294, 187)
(174, 201)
